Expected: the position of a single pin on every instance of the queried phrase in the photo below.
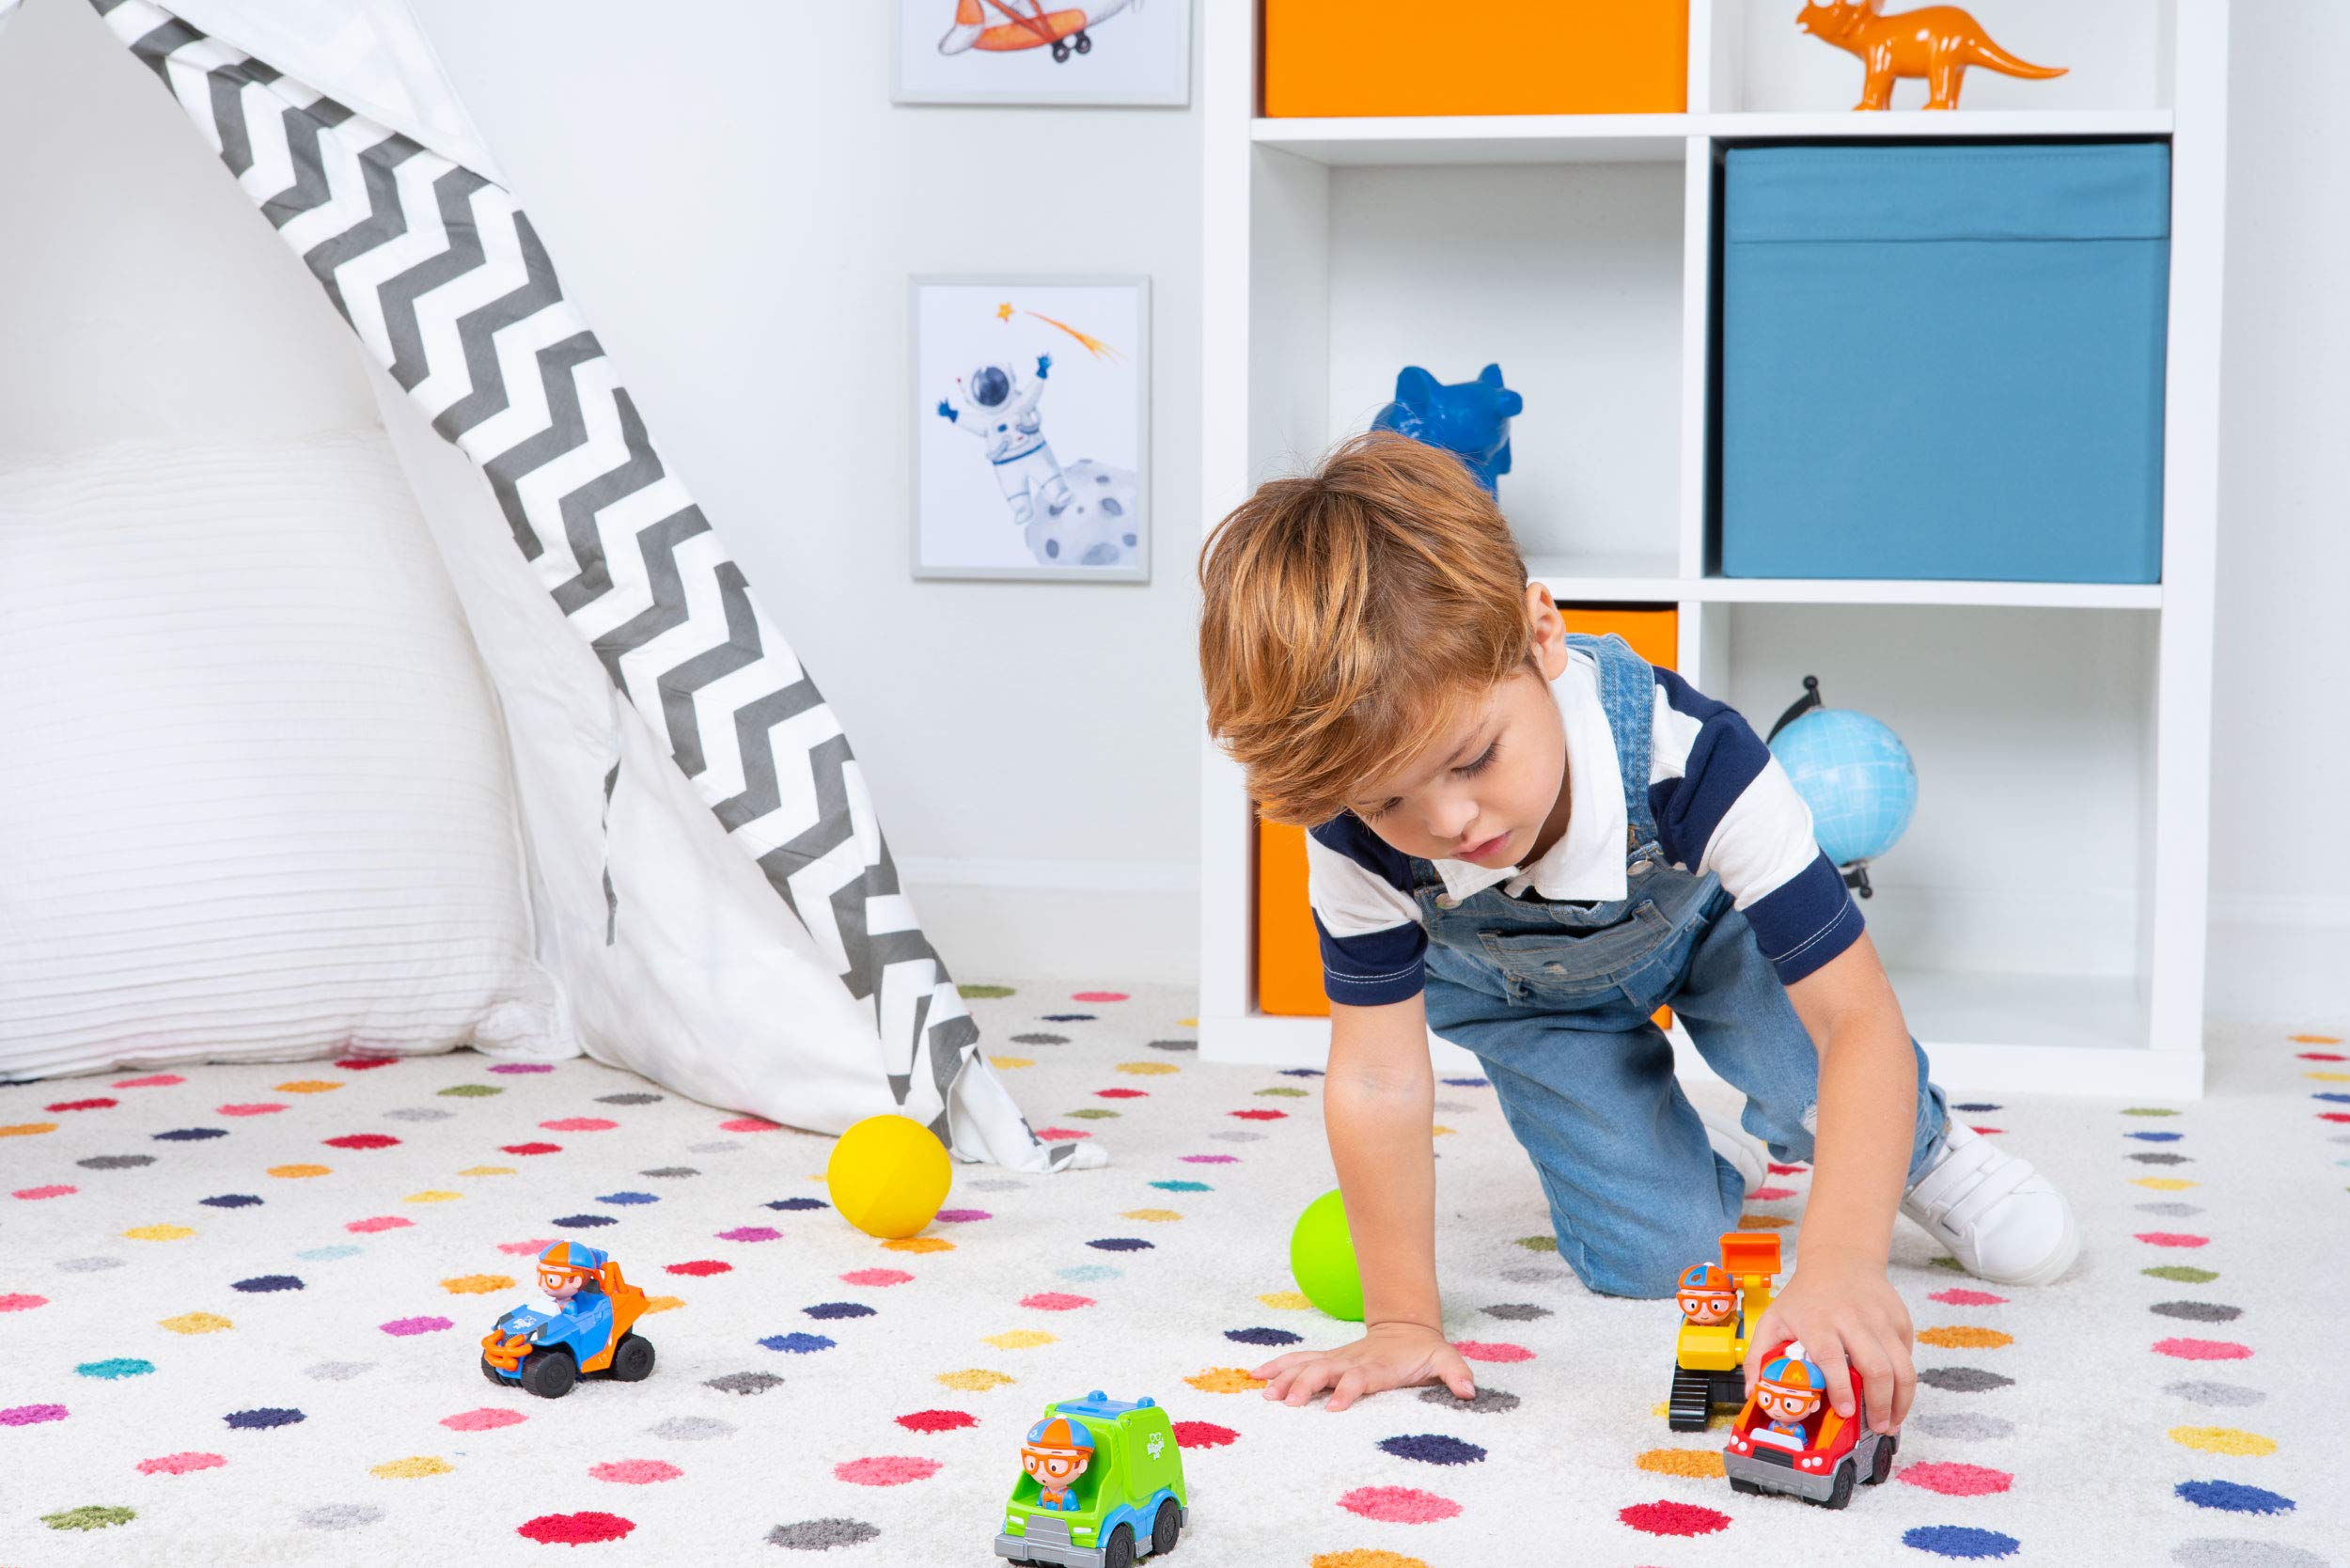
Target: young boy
(1529, 842)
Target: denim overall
(1555, 997)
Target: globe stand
(1856, 875)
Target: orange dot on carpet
(1963, 1337)
(1695, 1463)
(1224, 1380)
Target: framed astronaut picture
(1047, 52)
(1031, 428)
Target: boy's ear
(1546, 632)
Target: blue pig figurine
(1471, 420)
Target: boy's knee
(1646, 1266)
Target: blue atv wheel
(492, 1372)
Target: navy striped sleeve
(1805, 921)
(1372, 942)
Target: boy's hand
(1845, 1310)
(1388, 1356)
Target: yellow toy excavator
(1717, 1306)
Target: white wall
(729, 194)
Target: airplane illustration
(1063, 31)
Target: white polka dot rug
(241, 1311)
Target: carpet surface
(240, 1310)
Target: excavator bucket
(1745, 1253)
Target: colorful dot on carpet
(2155, 1138)
(2328, 1078)
(583, 1222)
(1210, 1159)
(81, 1105)
(1159, 1070)
(1152, 1217)
(1672, 1518)
(1093, 1113)
(478, 1284)
(663, 1303)
(404, 1328)
(2172, 1238)
(1018, 1339)
(433, 1195)
(631, 1200)
(1203, 1435)
(635, 1472)
(412, 1467)
(196, 1323)
(751, 1233)
(363, 1140)
(1119, 1243)
(2203, 1350)
(745, 1382)
(2315, 1039)
(885, 1471)
(1485, 1401)
(1484, 1349)
(2211, 1552)
(378, 1222)
(33, 1129)
(59, 1190)
(530, 1148)
(153, 1081)
(31, 1415)
(1259, 1113)
(794, 1204)
(1956, 1481)
(190, 1135)
(1955, 1296)
(263, 1419)
(20, 1302)
(603, 1125)
(472, 1091)
(700, 1268)
(312, 1086)
(2200, 1392)
(1771, 1194)
(1539, 1243)
(1098, 996)
(962, 1216)
(2163, 1183)
(300, 1172)
(97, 1162)
(90, 1517)
(518, 1068)
(975, 1380)
(586, 1528)
(822, 1535)
(1960, 1541)
(231, 1201)
(1263, 1337)
(1978, 1107)
(2197, 1311)
(1011, 1064)
(937, 1420)
(265, 1284)
(1963, 1380)
(115, 1366)
(871, 1276)
(181, 1464)
(1962, 1337)
(1067, 1017)
(827, 1309)
(1963, 1426)
(2232, 1497)
(2223, 1439)
(2148, 1110)
(158, 1233)
(1399, 1505)
(1697, 1464)
(487, 1418)
(919, 1244)
(2161, 1159)
(2182, 1273)
(691, 1429)
(1286, 1301)
(796, 1343)
(519, 1248)
(1224, 1380)
(338, 1372)
(1430, 1448)
(1162, 1187)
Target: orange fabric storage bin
(1289, 955)
(1496, 57)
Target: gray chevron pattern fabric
(440, 274)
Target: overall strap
(1627, 694)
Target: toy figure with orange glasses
(1717, 1303)
(1789, 1392)
(1056, 1453)
(590, 1331)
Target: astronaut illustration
(1000, 410)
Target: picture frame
(1030, 401)
(1017, 51)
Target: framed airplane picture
(1050, 52)
(1031, 403)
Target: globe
(1856, 776)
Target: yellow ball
(888, 1175)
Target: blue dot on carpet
(2232, 1497)
(191, 1135)
(798, 1203)
(2336, 1099)
(1262, 1336)
(229, 1201)
(118, 1366)
(1977, 1107)
(328, 1254)
(625, 1199)
(1468, 1083)
(797, 1344)
(1069, 1017)
(261, 1284)
(2154, 1137)
(269, 1416)
(1087, 1274)
(1121, 1244)
(1433, 1449)
(1182, 1186)
(838, 1309)
(1962, 1540)
(583, 1222)
(1301, 1072)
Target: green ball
(1321, 1259)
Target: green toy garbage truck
(1101, 1485)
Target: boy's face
(1487, 786)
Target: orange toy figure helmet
(568, 1261)
(1704, 1295)
(1056, 1452)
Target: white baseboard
(2280, 958)
(1105, 921)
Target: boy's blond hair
(1347, 613)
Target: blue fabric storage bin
(1944, 362)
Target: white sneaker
(1998, 1216)
(1737, 1145)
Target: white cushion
(255, 799)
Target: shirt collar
(1587, 862)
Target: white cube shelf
(2044, 919)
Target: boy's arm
(1378, 1106)
(1838, 1303)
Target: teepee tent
(714, 895)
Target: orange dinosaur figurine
(1938, 43)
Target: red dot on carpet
(635, 1472)
(1771, 1194)
(1056, 1301)
(258, 1108)
(1097, 996)
(487, 1418)
(361, 1064)
(515, 1249)
(876, 1277)
(1957, 1297)
(17, 1301)
(941, 1420)
(1779, 1169)
(1398, 1505)
(1956, 1481)
(580, 1125)
(1120, 1094)
(51, 1191)
(700, 1267)
(379, 1222)
(2172, 1238)
(743, 1125)
(574, 1530)
(181, 1464)
(1481, 1350)
(537, 1148)
(2203, 1350)
(1203, 1435)
(888, 1469)
(1062, 1134)
(362, 1140)
(1673, 1518)
(156, 1080)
